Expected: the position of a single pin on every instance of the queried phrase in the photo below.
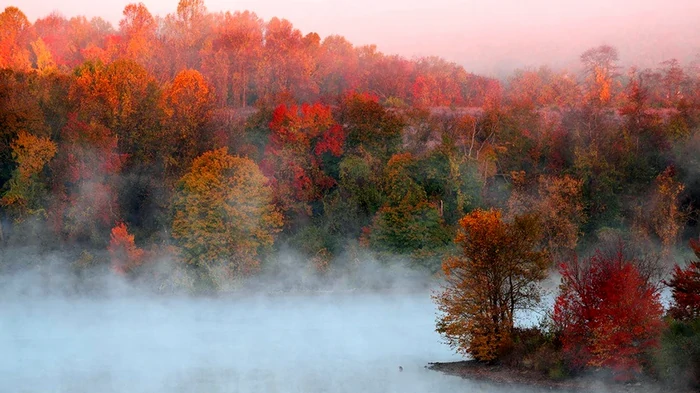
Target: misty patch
(118, 339)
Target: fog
(491, 38)
(116, 336)
(349, 342)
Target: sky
(488, 37)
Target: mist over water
(341, 342)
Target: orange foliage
(15, 35)
(124, 254)
(492, 278)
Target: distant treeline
(213, 140)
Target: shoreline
(501, 375)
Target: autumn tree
(233, 56)
(186, 32)
(224, 214)
(138, 28)
(19, 111)
(601, 73)
(370, 126)
(558, 202)
(494, 276)
(608, 312)
(26, 191)
(436, 83)
(685, 288)
(15, 36)
(337, 66)
(125, 255)
(287, 63)
(62, 40)
(187, 104)
(85, 199)
(122, 96)
(661, 214)
(299, 140)
(674, 81)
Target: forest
(218, 141)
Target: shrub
(677, 362)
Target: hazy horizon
(491, 39)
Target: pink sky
(489, 37)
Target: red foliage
(420, 91)
(84, 170)
(608, 313)
(332, 141)
(299, 136)
(685, 288)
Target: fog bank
(303, 343)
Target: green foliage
(405, 229)
(453, 183)
(677, 362)
(539, 350)
(360, 181)
(407, 223)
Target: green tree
(408, 223)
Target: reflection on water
(320, 343)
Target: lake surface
(346, 342)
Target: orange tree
(124, 254)
(495, 275)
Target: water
(310, 343)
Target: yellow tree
(661, 214)
(43, 60)
(224, 214)
(558, 202)
(494, 276)
(25, 190)
(123, 96)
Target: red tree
(685, 288)
(608, 313)
(85, 172)
(293, 157)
